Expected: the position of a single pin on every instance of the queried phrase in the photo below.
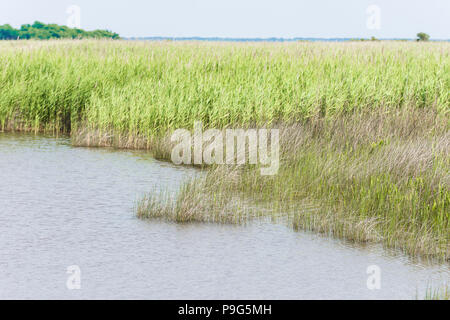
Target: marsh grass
(364, 126)
(437, 294)
(142, 89)
(159, 145)
(378, 177)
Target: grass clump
(195, 204)
(437, 294)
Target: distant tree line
(39, 30)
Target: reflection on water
(62, 206)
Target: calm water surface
(62, 206)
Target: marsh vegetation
(364, 126)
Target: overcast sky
(242, 18)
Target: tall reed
(145, 88)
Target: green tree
(8, 33)
(40, 30)
(38, 25)
(422, 36)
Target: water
(62, 206)
(274, 39)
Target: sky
(240, 18)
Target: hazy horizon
(236, 19)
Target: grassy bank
(378, 177)
(364, 126)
